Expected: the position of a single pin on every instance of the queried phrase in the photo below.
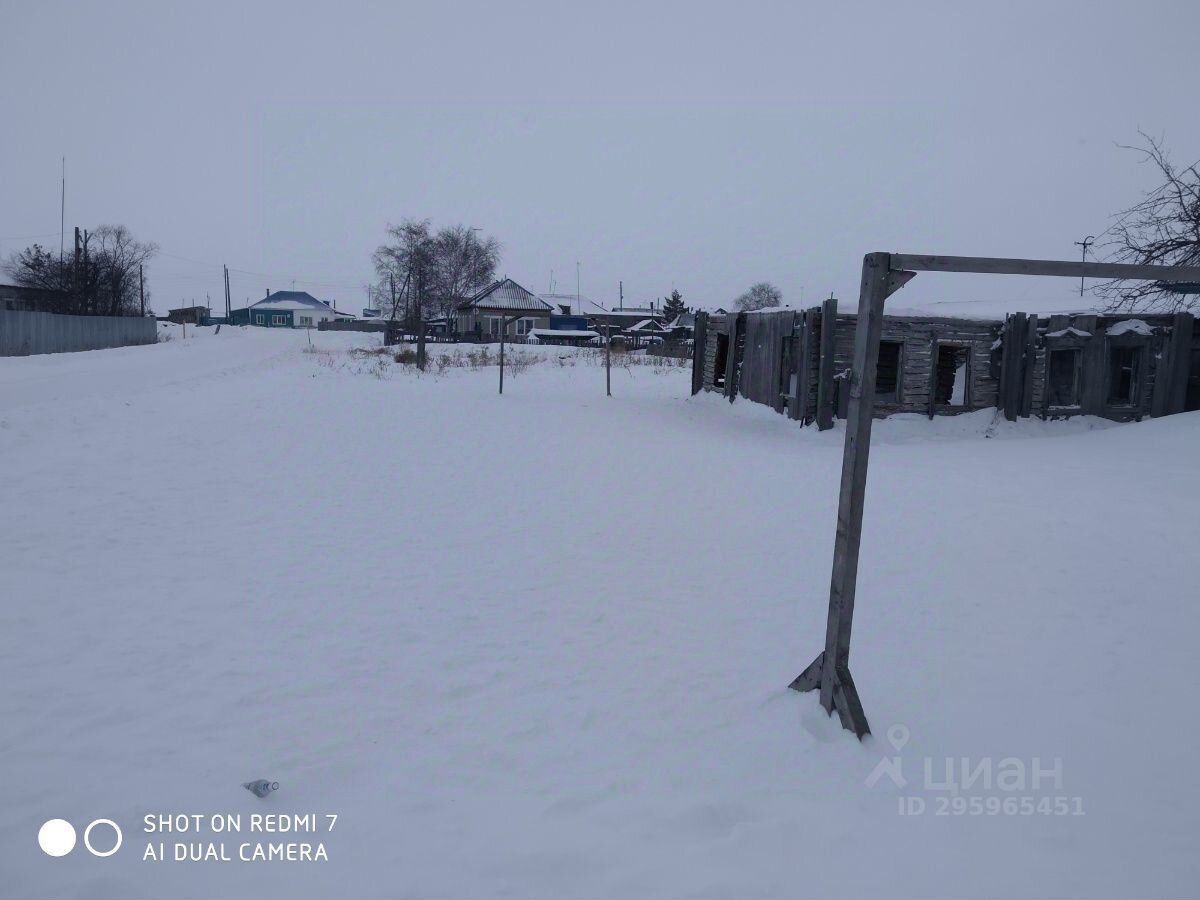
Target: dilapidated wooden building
(1120, 367)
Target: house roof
(583, 306)
(648, 325)
(563, 333)
(630, 312)
(295, 300)
(507, 295)
(683, 320)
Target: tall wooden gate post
(830, 671)
(883, 274)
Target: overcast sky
(659, 144)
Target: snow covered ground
(539, 644)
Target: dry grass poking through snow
(443, 358)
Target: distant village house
(289, 309)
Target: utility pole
(62, 213)
(578, 304)
(228, 300)
(86, 292)
(1084, 244)
(75, 270)
(142, 289)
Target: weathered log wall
(795, 362)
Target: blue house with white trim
(289, 309)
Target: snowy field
(539, 644)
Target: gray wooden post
(733, 320)
(825, 386)
(830, 671)
(421, 343)
(884, 273)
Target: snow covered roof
(631, 312)
(294, 300)
(683, 320)
(648, 325)
(563, 333)
(584, 306)
(506, 294)
(1130, 326)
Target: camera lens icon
(56, 837)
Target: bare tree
(465, 265)
(118, 257)
(1161, 229)
(763, 295)
(106, 282)
(441, 268)
(37, 267)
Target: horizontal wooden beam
(986, 265)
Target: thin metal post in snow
(608, 357)
(503, 326)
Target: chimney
(268, 292)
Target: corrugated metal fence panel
(24, 333)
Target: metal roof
(291, 300)
(581, 306)
(507, 295)
(648, 325)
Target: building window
(1124, 367)
(1062, 377)
(260, 319)
(306, 320)
(887, 371)
(952, 375)
(278, 320)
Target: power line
(276, 276)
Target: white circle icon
(57, 837)
(87, 836)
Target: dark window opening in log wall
(1191, 401)
(952, 375)
(887, 371)
(1124, 367)
(722, 360)
(1062, 377)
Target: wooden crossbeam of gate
(883, 274)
